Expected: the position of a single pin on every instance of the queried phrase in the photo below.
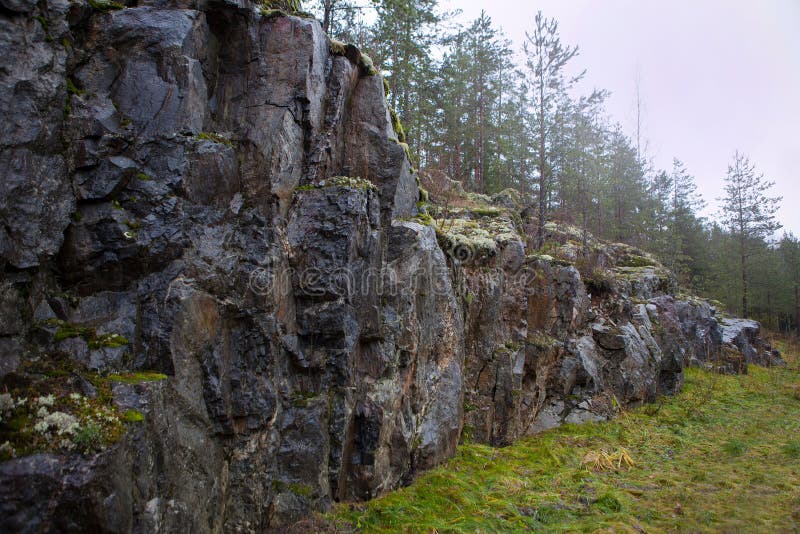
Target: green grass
(720, 457)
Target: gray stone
(35, 206)
(610, 338)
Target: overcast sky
(714, 75)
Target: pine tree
(404, 36)
(660, 192)
(748, 212)
(685, 202)
(546, 62)
(345, 20)
(453, 154)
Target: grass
(720, 457)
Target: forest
(493, 114)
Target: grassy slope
(722, 456)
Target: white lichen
(62, 423)
(46, 400)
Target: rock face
(545, 346)
(198, 189)
(742, 336)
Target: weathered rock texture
(172, 174)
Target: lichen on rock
(366, 65)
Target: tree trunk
(326, 20)
(481, 110)
(457, 166)
(476, 170)
(744, 277)
(542, 179)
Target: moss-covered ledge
(339, 181)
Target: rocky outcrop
(546, 346)
(742, 336)
(220, 307)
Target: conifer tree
(546, 62)
(748, 212)
(684, 202)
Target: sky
(714, 76)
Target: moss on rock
(337, 48)
(468, 240)
(105, 5)
(45, 408)
(67, 330)
(366, 65)
(542, 340)
(214, 137)
(340, 181)
(397, 126)
(282, 6)
(137, 377)
(405, 147)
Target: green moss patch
(337, 48)
(301, 399)
(105, 5)
(486, 212)
(424, 219)
(397, 126)
(68, 330)
(407, 149)
(366, 66)
(472, 239)
(72, 89)
(340, 181)
(634, 260)
(301, 490)
(137, 378)
(133, 416)
(218, 138)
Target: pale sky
(714, 75)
